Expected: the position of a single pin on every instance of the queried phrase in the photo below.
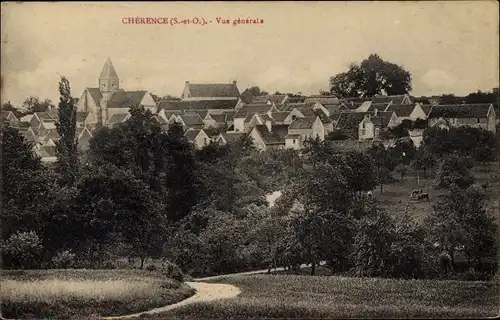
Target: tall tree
(66, 147)
(371, 77)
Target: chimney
(234, 82)
(187, 82)
(376, 112)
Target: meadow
(79, 294)
(295, 296)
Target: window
(377, 131)
(205, 140)
(294, 117)
(103, 85)
(293, 141)
(113, 85)
(478, 120)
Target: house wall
(318, 130)
(201, 140)
(491, 126)
(292, 144)
(289, 119)
(239, 124)
(149, 103)
(366, 130)
(418, 112)
(257, 140)
(86, 103)
(256, 120)
(210, 123)
(328, 127)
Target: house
(307, 128)
(396, 99)
(108, 99)
(81, 118)
(191, 121)
(280, 116)
(213, 106)
(351, 104)
(329, 103)
(197, 137)
(210, 91)
(411, 111)
(265, 139)
(27, 132)
(10, 118)
(247, 112)
(348, 122)
(473, 115)
(276, 99)
(373, 124)
(47, 154)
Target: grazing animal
(423, 196)
(416, 192)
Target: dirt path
(205, 292)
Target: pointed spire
(108, 71)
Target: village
(216, 113)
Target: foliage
(171, 271)
(33, 104)
(371, 77)
(66, 147)
(23, 250)
(251, 93)
(64, 259)
(453, 170)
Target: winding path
(205, 292)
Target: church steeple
(108, 80)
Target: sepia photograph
(250, 160)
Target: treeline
(142, 192)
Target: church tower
(108, 80)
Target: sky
(448, 47)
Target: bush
(151, 267)
(64, 259)
(171, 270)
(22, 250)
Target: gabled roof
(382, 106)
(300, 106)
(197, 105)
(81, 116)
(250, 109)
(219, 118)
(126, 99)
(350, 120)
(273, 98)
(323, 100)
(49, 124)
(426, 108)
(45, 115)
(335, 116)
(108, 70)
(382, 118)
(117, 118)
(214, 90)
(274, 137)
(212, 133)
(5, 114)
(229, 114)
(191, 134)
(192, 120)
(201, 113)
(96, 94)
(322, 116)
(396, 99)
(460, 111)
(233, 136)
(280, 116)
(303, 123)
(402, 110)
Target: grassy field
(78, 294)
(287, 296)
(395, 197)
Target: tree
(384, 163)
(33, 104)
(450, 99)
(460, 219)
(251, 93)
(23, 186)
(66, 147)
(371, 77)
(453, 170)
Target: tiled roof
(323, 100)
(292, 136)
(426, 108)
(280, 116)
(117, 118)
(382, 118)
(322, 116)
(197, 105)
(192, 133)
(126, 99)
(24, 125)
(233, 136)
(350, 120)
(96, 95)
(250, 109)
(402, 110)
(192, 120)
(460, 111)
(274, 137)
(379, 106)
(397, 99)
(108, 70)
(229, 114)
(213, 90)
(265, 117)
(201, 113)
(303, 123)
(45, 115)
(300, 106)
(274, 98)
(332, 108)
(219, 118)
(335, 116)
(81, 116)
